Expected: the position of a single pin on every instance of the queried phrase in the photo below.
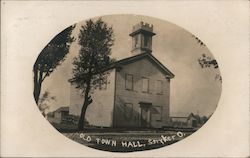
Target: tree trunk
(37, 86)
(81, 122)
(87, 102)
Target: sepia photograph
(125, 79)
(126, 83)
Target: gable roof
(128, 60)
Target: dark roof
(128, 60)
(66, 108)
(143, 31)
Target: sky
(193, 89)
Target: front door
(145, 117)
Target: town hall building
(137, 90)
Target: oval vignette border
(138, 99)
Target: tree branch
(47, 74)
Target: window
(159, 87)
(128, 110)
(157, 113)
(145, 85)
(136, 41)
(146, 41)
(129, 82)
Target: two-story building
(137, 91)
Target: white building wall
(100, 112)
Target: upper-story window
(159, 87)
(145, 85)
(129, 82)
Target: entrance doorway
(145, 114)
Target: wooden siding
(141, 69)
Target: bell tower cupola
(142, 34)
